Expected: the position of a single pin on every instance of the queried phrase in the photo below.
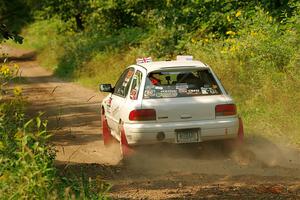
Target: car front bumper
(150, 133)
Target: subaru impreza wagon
(180, 101)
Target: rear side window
(136, 84)
(183, 83)
(122, 85)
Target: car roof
(161, 65)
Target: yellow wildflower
(230, 33)
(238, 13)
(228, 18)
(253, 33)
(4, 70)
(17, 91)
(233, 48)
(224, 50)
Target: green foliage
(25, 158)
(83, 188)
(69, 11)
(259, 66)
(15, 14)
(82, 47)
(26, 161)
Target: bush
(25, 158)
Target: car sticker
(214, 86)
(167, 93)
(108, 104)
(129, 74)
(133, 94)
(182, 87)
(149, 93)
(204, 90)
(158, 88)
(208, 90)
(127, 79)
(194, 92)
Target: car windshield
(183, 83)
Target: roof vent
(184, 58)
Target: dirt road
(262, 170)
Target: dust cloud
(257, 157)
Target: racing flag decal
(143, 60)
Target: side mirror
(106, 88)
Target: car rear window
(183, 83)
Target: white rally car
(179, 101)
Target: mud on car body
(180, 101)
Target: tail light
(142, 115)
(225, 110)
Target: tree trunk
(79, 22)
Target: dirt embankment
(261, 170)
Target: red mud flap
(236, 143)
(106, 134)
(126, 150)
(240, 137)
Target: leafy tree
(75, 11)
(15, 14)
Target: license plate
(187, 135)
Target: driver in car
(154, 78)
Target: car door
(118, 98)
